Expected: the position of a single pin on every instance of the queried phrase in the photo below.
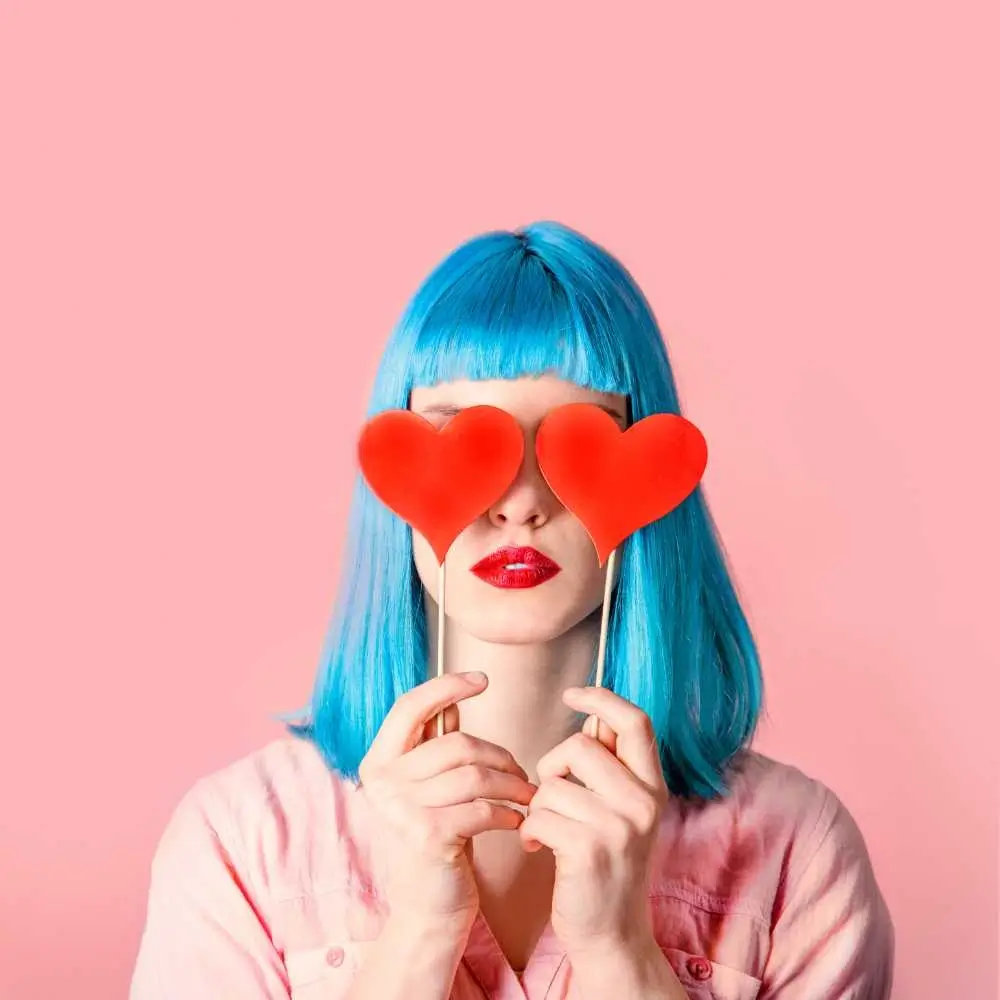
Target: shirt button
(334, 956)
(699, 968)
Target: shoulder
(242, 841)
(798, 814)
(777, 801)
(773, 880)
(282, 774)
(269, 813)
(778, 795)
(830, 923)
(820, 865)
(806, 811)
(775, 823)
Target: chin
(513, 630)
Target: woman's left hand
(602, 832)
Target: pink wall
(211, 215)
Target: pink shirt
(262, 888)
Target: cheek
(580, 564)
(426, 563)
(585, 555)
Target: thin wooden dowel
(602, 642)
(440, 642)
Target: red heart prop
(617, 481)
(440, 481)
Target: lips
(513, 567)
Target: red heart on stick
(440, 481)
(618, 481)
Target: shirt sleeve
(204, 938)
(832, 937)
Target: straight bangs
(510, 318)
(509, 305)
(545, 300)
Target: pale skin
(562, 824)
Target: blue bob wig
(545, 299)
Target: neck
(522, 708)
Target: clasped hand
(602, 827)
(597, 806)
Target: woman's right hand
(429, 795)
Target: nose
(528, 501)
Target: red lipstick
(513, 567)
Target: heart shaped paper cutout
(440, 481)
(618, 481)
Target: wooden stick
(593, 722)
(440, 672)
(469, 848)
(440, 638)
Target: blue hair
(545, 299)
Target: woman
(364, 856)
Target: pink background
(212, 213)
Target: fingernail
(474, 676)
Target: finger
(588, 760)
(636, 740)
(470, 818)
(605, 776)
(469, 782)
(451, 721)
(599, 730)
(404, 723)
(595, 815)
(453, 750)
(558, 833)
(572, 801)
